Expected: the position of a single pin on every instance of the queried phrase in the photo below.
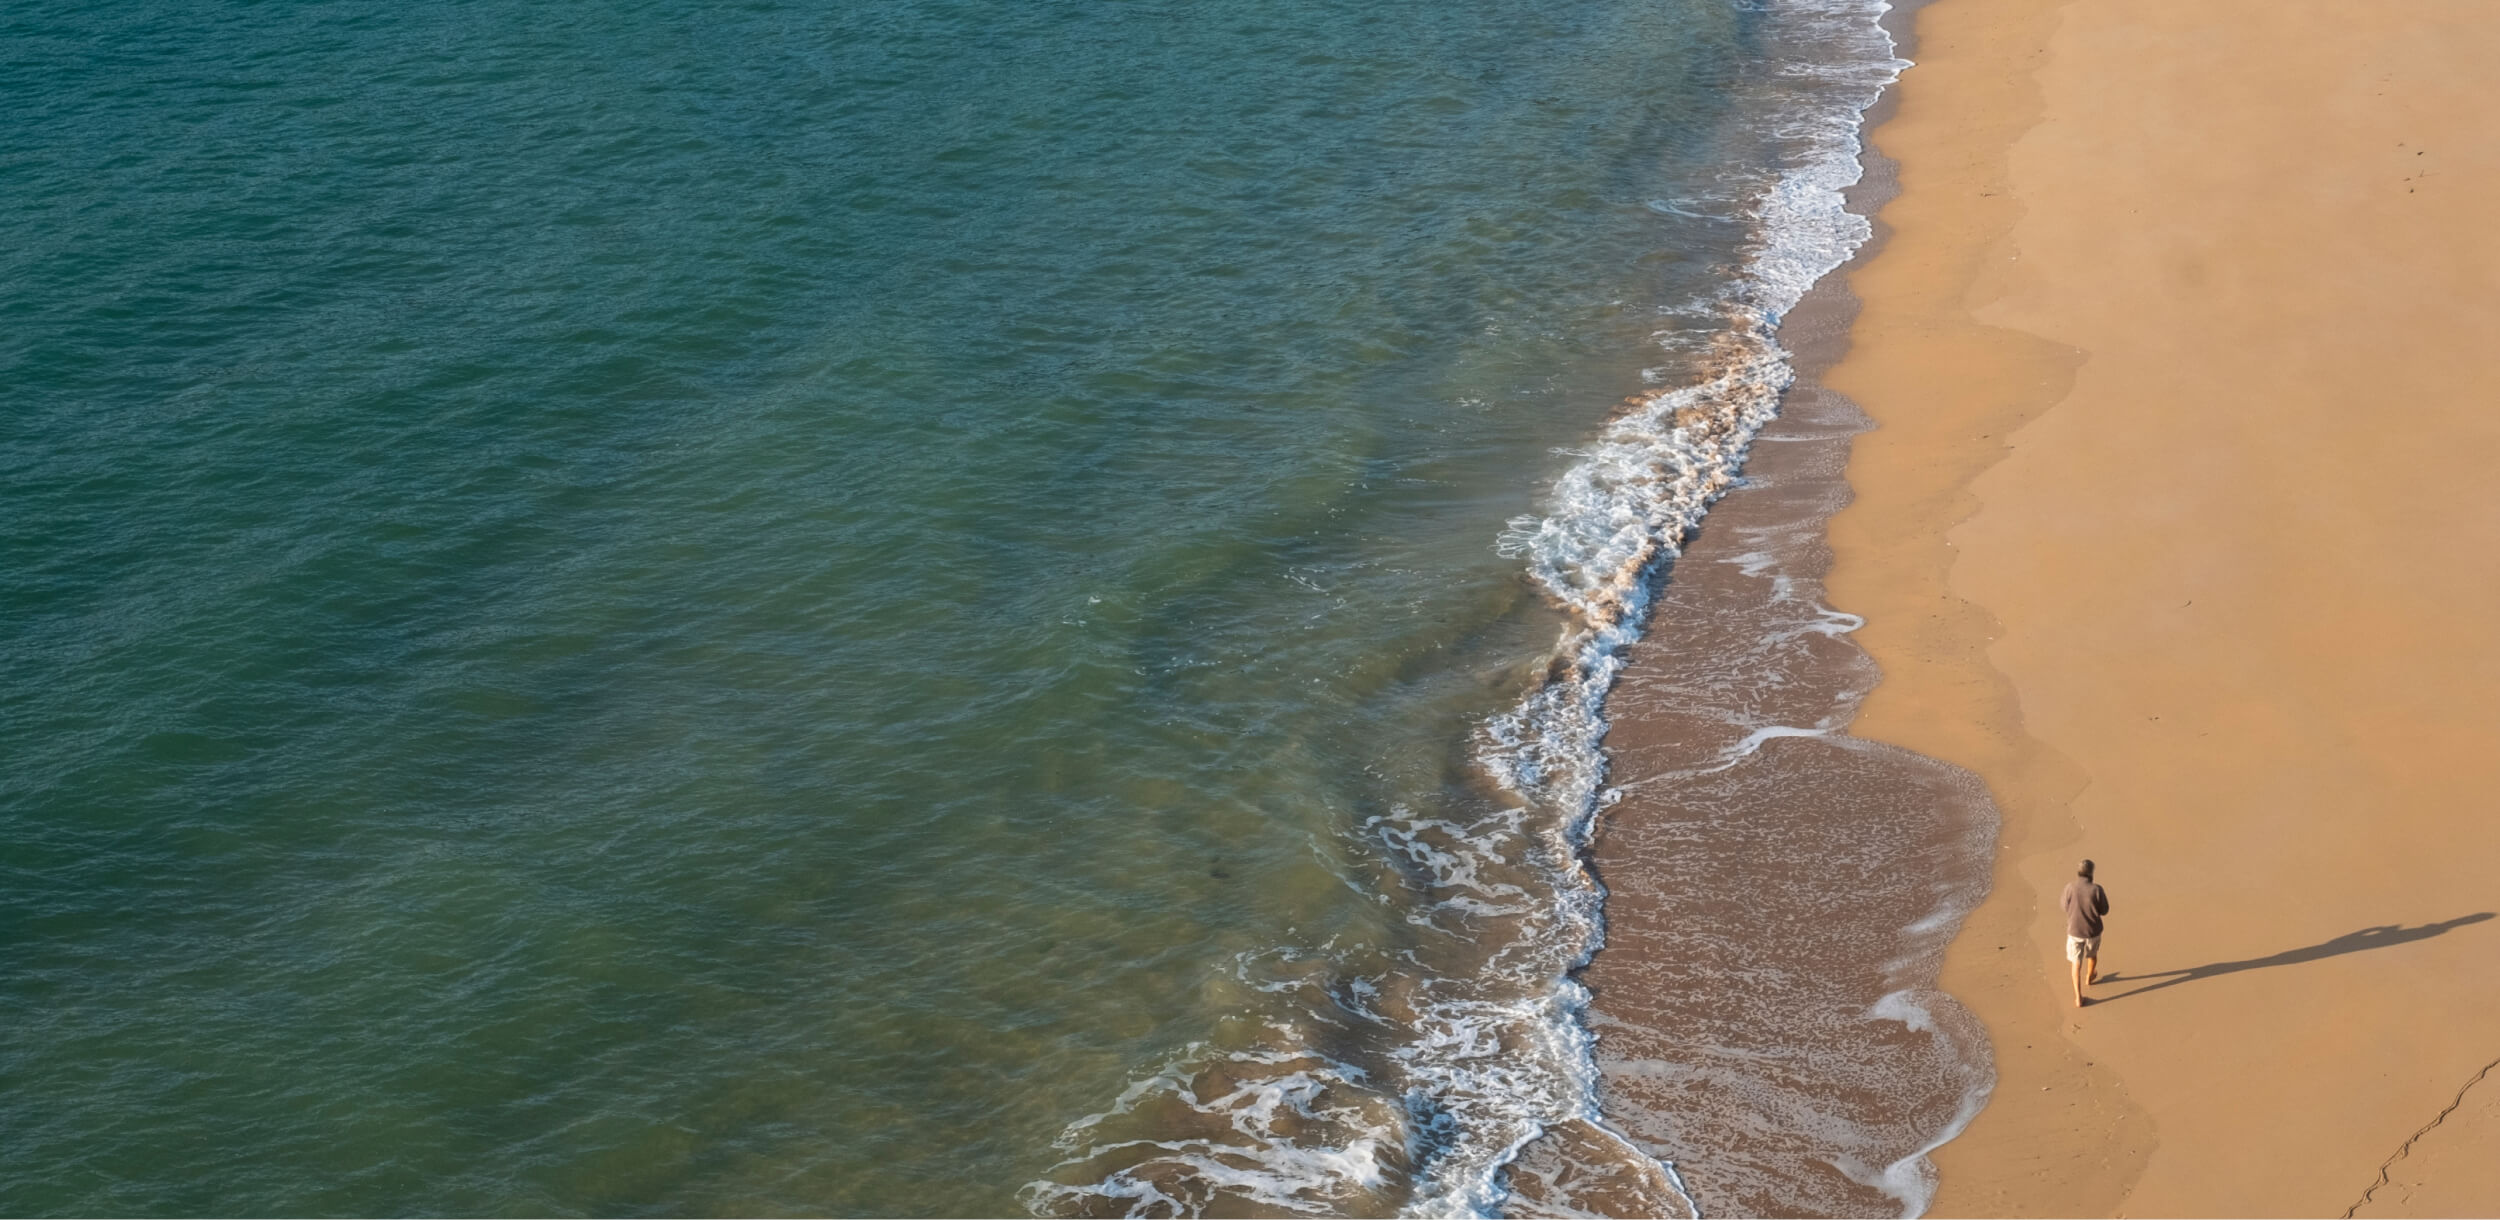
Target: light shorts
(2081, 947)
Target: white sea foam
(1247, 1150)
(1485, 1066)
(1635, 495)
(1911, 1179)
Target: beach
(874, 609)
(2175, 528)
(871, 608)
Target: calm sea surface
(784, 607)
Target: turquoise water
(757, 608)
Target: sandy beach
(2178, 529)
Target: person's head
(2084, 870)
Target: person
(2085, 902)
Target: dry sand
(2181, 527)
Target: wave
(1372, 1083)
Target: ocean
(877, 608)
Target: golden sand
(2181, 527)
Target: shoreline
(2175, 357)
(1810, 1064)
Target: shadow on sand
(2350, 942)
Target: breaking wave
(1371, 1082)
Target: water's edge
(1489, 1090)
(1745, 802)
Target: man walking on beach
(2085, 903)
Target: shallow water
(635, 608)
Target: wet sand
(1780, 892)
(2178, 528)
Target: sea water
(877, 607)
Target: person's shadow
(2350, 942)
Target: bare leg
(2077, 978)
(2092, 969)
